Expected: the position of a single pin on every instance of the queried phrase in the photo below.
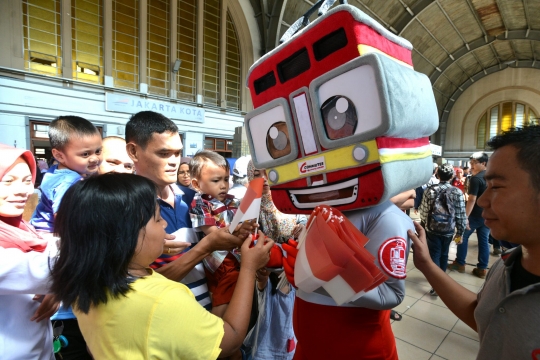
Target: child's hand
(256, 257)
(244, 229)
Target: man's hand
(46, 309)
(173, 247)
(421, 255)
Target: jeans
(438, 248)
(496, 243)
(482, 232)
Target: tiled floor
(428, 329)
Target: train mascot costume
(341, 123)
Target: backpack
(442, 214)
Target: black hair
(142, 125)
(480, 156)
(445, 172)
(204, 156)
(527, 141)
(465, 168)
(99, 221)
(63, 127)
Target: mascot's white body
(342, 119)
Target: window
(223, 147)
(211, 59)
(158, 67)
(87, 40)
(42, 37)
(232, 68)
(502, 117)
(126, 44)
(186, 45)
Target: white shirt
(21, 276)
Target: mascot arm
(383, 230)
(386, 296)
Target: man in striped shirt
(155, 147)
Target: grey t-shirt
(508, 322)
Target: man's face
(160, 159)
(477, 166)
(115, 158)
(511, 205)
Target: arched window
(502, 117)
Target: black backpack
(442, 215)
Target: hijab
(275, 224)
(14, 231)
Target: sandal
(394, 315)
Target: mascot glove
(290, 259)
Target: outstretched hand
(256, 257)
(421, 255)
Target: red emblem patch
(536, 354)
(393, 256)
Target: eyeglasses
(183, 173)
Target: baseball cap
(240, 166)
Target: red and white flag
(250, 206)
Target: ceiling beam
(274, 28)
(527, 64)
(534, 35)
(406, 18)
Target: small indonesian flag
(250, 206)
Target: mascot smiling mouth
(335, 194)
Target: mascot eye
(339, 117)
(277, 140)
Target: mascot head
(341, 118)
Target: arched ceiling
(456, 42)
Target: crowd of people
(129, 255)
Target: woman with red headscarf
(25, 332)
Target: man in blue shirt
(155, 147)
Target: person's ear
(132, 151)
(58, 155)
(195, 184)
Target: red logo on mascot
(392, 255)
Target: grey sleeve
(386, 296)
(391, 293)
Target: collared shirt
(179, 223)
(459, 205)
(508, 322)
(209, 211)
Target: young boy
(76, 145)
(211, 209)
